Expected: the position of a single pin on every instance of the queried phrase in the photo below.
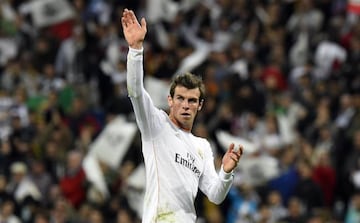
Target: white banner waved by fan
(49, 12)
(159, 10)
(158, 90)
(136, 189)
(109, 148)
(225, 138)
(113, 142)
(94, 174)
(257, 170)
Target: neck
(178, 124)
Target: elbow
(217, 200)
(133, 92)
(218, 196)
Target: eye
(180, 98)
(193, 100)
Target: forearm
(216, 185)
(147, 115)
(219, 190)
(135, 73)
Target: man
(177, 162)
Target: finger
(127, 15)
(125, 18)
(143, 24)
(123, 22)
(241, 150)
(234, 157)
(238, 150)
(236, 154)
(132, 16)
(231, 148)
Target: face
(184, 106)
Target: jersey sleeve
(148, 117)
(214, 185)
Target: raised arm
(134, 34)
(147, 115)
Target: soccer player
(177, 163)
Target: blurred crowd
(281, 75)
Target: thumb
(143, 24)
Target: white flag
(49, 12)
(113, 142)
(257, 170)
(225, 138)
(158, 90)
(95, 175)
(136, 189)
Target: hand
(231, 158)
(134, 32)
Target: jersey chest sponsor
(188, 161)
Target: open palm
(134, 32)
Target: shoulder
(200, 139)
(203, 142)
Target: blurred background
(282, 78)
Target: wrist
(136, 46)
(226, 170)
(140, 50)
(224, 174)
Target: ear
(170, 101)
(201, 104)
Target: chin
(186, 122)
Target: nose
(185, 104)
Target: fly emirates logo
(188, 162)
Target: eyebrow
(190, 98)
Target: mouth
(185, 115)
